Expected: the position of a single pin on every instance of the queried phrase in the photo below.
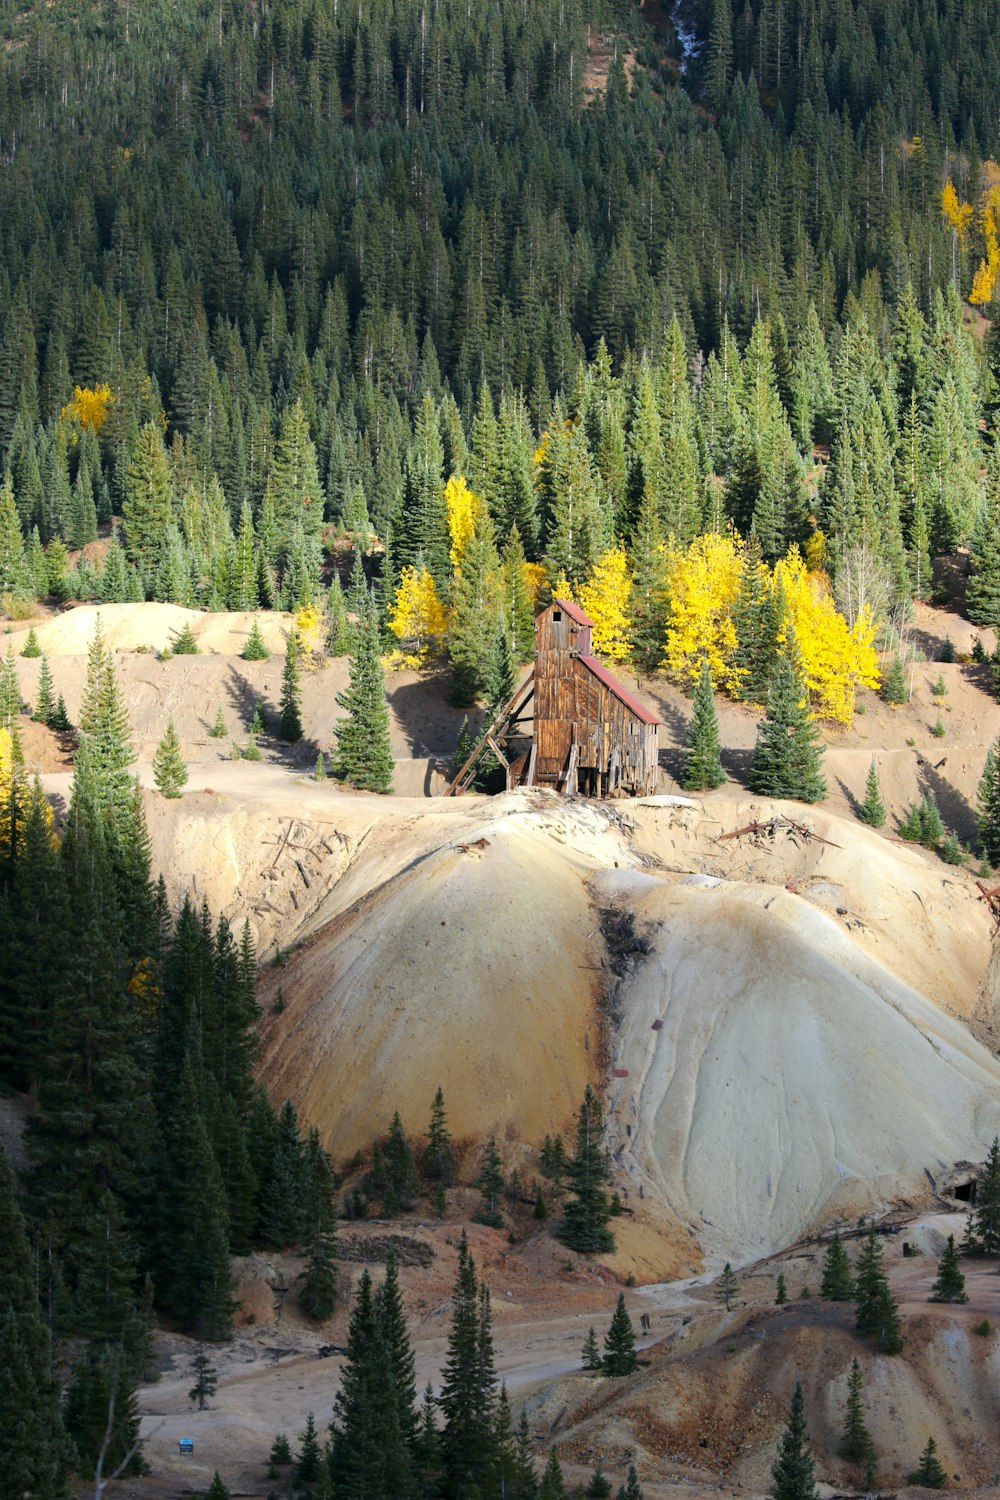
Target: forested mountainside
(257, 238)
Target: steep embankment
(787, 1049)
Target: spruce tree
(184, 642)
(60, 718)
(44, 699)
(363, 754)
(169, 770)
(467, 1387)
(438, 1160)
(318, 1293)
(982, 1234)
(872, 809)
(619, 1342)
(31, 647)
(950, 1283)
(590, 1353)
(290, 723)
(599, 1487)
(33, 1441)
(837, 1284)
(205, 1379)
(988, 805)
(308, 1463)
(856, 1444)
(876, 1312)
(895, 685)
(788, 754)
(703, 767)
(218, 730)
(402, 1392)
(587, 1211)
(631, 1489)
(217, 1490)
(929, 1473)
(780, 1290)
(281, 1453)
(793, 1476)
(727, 1286)
(402, 1182)
(255, 649)
(552, 1486)
(491, 1184)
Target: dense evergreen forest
(288, 254)
(275, 275)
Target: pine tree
(552, 1486)
(467, 1389)
(60, 718)
(856, 1444)
(491, 1185)
(929, 1474)
(982, 1234)
(366, 1444)
(290, 723)
(438, 1160)
(15, 576)
(793, 1476)
(788, 754)
(205, 1379)
(630, 1490)
(308, 1464)
(950, 1283)
(895, 685)
(872, 810)
(599, 1487)
(837, 1284)
(591, 1354)
(585, 1227)
(280, 1453)
(727, 1286)
(31, 647)
(32, 1438)
(363, 754)
(780, 1290)
(44, 700)
(988, 805)
(218, 730)
(217, 1490)
(318, 1293)
(147, 505)
(169, 770)
(184, 642)
(619, 1342)
(402, 1183)
(703, 766)
(255, 649)
(876, 1312)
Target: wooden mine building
(588, 735)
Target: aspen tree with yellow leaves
(703, 582)
(605, 596)
(418, 619)
(460, 503)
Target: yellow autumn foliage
(537, 578)
(89, 406)
(703, 581)
(836, 659)
(461, 503)
(14, 788)
(958, 214)
(605, 597)
(309, 624)
(418, 616)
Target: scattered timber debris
(991, 895)
(769, 830)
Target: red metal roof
(574, 611)
(611, 682)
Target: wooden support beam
(529, 780)
(495, 732)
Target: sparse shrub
(940, 687)
(938, 729)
